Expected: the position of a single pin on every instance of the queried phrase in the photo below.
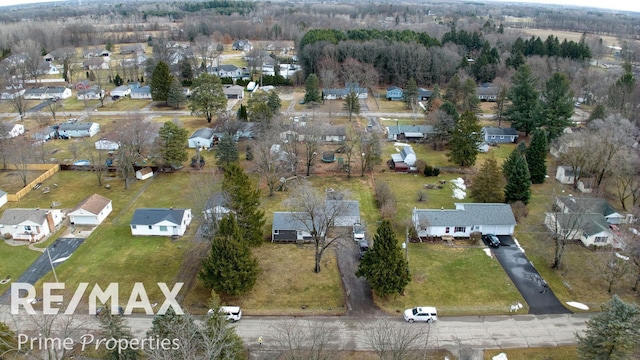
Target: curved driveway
(532, 286)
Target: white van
(232, 313)
(421, 313)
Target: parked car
(101, 310)
(358, 232)
(421, 313)
(231, 313)
(363, 247)
(491, 240)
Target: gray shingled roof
(18, 216)
(204, 133)
(402, 129)
(467, 215)
(343, 207)
(153, 216)
(588, 205)
(287, 220)
(499, 131)
(75, 126)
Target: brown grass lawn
(287, 284)
(548, 353)
(11, 179)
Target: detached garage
(91, 211)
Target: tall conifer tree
(536, 155)
(244, 200)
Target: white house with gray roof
(160, 222)
(202, 137)
(78, 129)
(29, 224)
(490, 218)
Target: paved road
(477, 332)
(532, 286)
(59, 251)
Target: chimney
(50, 222)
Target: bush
(420, 165)
(7, 236)
(520, 210)
(386, 200)
(422, 196)
(431, 171)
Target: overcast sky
(629, 5)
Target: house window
(446, 230)
(459, 229)
(276, 232)
(501, 137)
(27, 227)
(133, 226)
(600, 239)
(163, 228)
(150, 227)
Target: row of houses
(485, 92)
(34, 225)
(418, 133)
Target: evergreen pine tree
(172, 140)
(161, 80)
(227, 151)
(410, 94)
(244, 200)
(524, 111)
(242, 113)
(312, 90)
(230, 268)
(176, 96)
(463, 146)
(207, 97)
(614, 333)
(384, 266)
(557, 105)
(518, 186)
(536, 155)
(488, 184)
(599, 112)
(508, 164)
(113, 326)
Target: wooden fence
(49, 170)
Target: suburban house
(291, 227)
(3, 200)
(144, 173)
(141, 93)
(404, 160)
(202, 137)
(243, 45)
(494, 135)
(93, 93)
(109, 142)
(334, 133)
(297, 226)
(121, 91)
(424, 94)
(29, 224)
(227, 70)
(11, 130)
(91, 211)
(487, 92)
(77, 129)
(409, 132)
(465, 219)
(11, 92)
(233, 91)
(96, 63)
(44, 93)
(160, 222)
(337, 93)
(593, 221)
(394, 93)
(132, 49)
(95, 52)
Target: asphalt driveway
(59, 251)
(531, 285)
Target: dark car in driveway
(491, 240)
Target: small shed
(144, 173)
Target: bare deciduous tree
(396, 341)
(319, 216)
(312, 135)
(135, 141)
(270, 160)
(300, 340)
(21, 155)
(613, 267)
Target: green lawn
(15, 260)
